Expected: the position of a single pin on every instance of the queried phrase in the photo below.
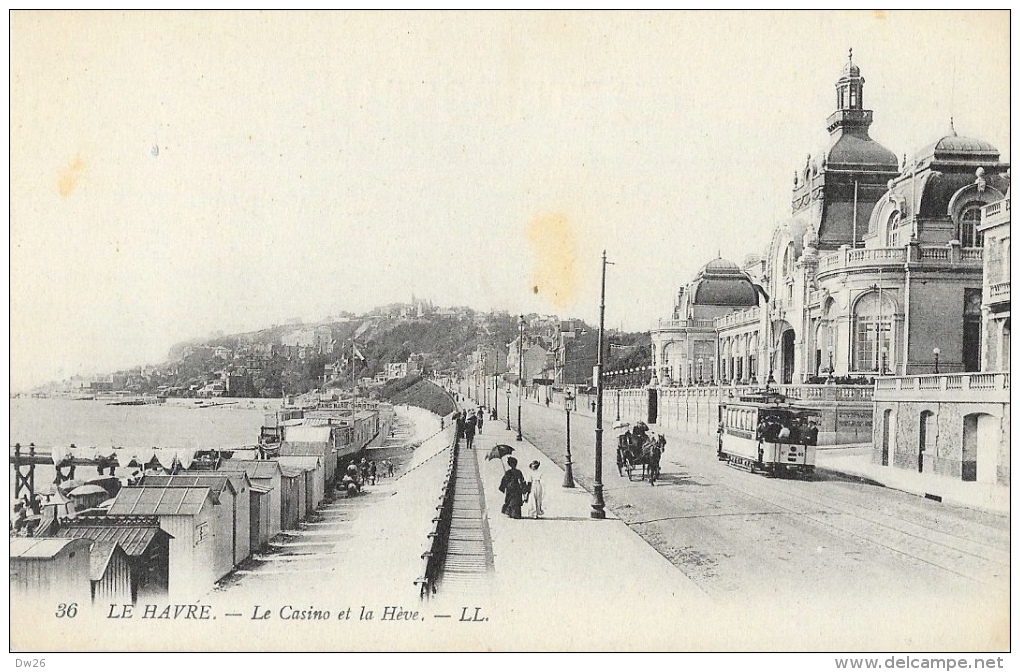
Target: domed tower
(836, 192)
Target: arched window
(970, 219)
(873, 334)
(788, 261)
(890, 229)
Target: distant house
(396, 370)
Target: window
(890, 229)
(873, 318)
(969, 221)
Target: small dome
(956, 147)
(721, 283)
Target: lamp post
(508, 406)
(936, 352)
(520, 372)
(598, 504)
(568, 472)
(495, 393)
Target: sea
(177, 423)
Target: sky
(177, 174)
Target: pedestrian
(469, 430)
(534, 495)
(481, 419)
(811, 434)
(512, 486)
(389, 468)
(372, 472)
(592, 405)
(654, 455)
(459, 419)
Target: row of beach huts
(173, 533)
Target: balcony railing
(848, 257)
(963, 382)
(740, 317)
(685, 324)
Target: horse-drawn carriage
(637, 447)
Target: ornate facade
(879, 265)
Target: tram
(764, 432)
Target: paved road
(738, 534)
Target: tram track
(823, 519)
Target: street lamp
(508, 406)
(568, 473)
(936, 352)
(495, 392)
(520, 372)
(598, 504)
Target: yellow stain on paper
(69, 176)
(554, 250)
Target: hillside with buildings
(387, 343)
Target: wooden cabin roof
(162, 501)
(134, 534)
(42, 548)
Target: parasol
(85, 490)
(620, 428)
(499, 452)
(66, 486)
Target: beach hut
(46, 572)
(311, 439)
(233, 490)
(314, 484)
(292, 497)
(261, 512)
(191, 516)
(109, 573)
(267, 475)
(146, 545)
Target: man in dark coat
(459, 419)
(469, 429)
(512, 486)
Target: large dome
(721, 283)
(856, 150)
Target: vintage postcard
(511, 331)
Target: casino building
(877, 273)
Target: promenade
(855, 461)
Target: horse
(648, 454)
